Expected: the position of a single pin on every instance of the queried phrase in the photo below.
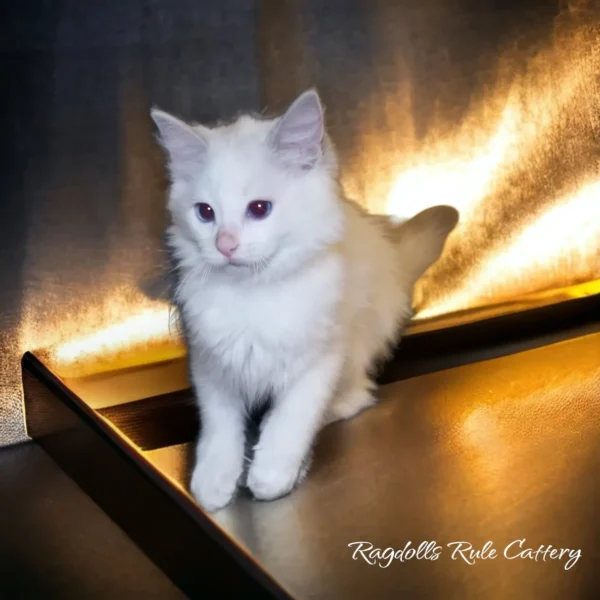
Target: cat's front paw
(271, 477)
(214, 482)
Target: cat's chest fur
(259, 334)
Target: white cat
(285, 289)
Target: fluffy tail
(420, 240)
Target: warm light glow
(459, 174)
(519, 166)
(524, 182)
(150, 324)
(479, 428)
(463, 170)
(567, 235)
(125, 330)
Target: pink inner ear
(299, 133)
(185, 146)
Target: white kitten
(285, 289)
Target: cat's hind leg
(352, 400)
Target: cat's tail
(420, 240)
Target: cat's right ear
(186, 148)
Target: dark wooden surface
(169, 527)
(502, 449)
(55, 542)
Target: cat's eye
(205, 212)
(259, 209)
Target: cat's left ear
(297, 138)
(186, 147)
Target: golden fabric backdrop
(493, 112)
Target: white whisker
(205, 273)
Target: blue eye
(259, 209)
(205, 212)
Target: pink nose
(227, 243)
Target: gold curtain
(493, 111)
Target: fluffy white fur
(314, 294)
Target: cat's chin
(238, 266)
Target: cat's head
(253, 195)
